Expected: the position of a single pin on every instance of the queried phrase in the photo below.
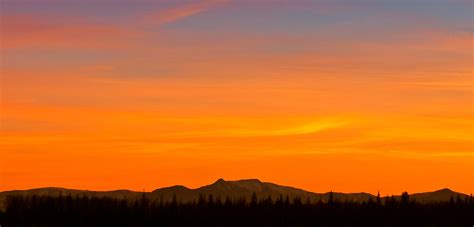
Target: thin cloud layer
(180, 12)
(372, 89)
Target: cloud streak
(33, 31)
(181, 12)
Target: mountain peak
(445, 190)
(243, 181)
(255, 181)
(229, 188)
(219, 181)
(173, 188)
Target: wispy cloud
(33, 31)
(180, 12)
(311, 127)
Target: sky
(341, 95)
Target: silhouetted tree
(253, 199)
(174, 201)
(378, 199)
(370, 201)
(287, 201)
(331, 198)
(218, 200)
(201, 200)
(210, 200)
(268, 201)
(26, 211)
(228, 202)
(451, 200)
(279, 201)
(297, 201)
(458, 200)
(405, 200)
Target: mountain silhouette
(441, 195)
(222, 189)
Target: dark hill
(232, 189)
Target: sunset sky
(342, 95)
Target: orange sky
(161, 94)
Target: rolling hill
(227, 189)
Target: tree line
(210, 210)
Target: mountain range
(228, 189)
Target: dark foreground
(85, 211)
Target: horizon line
(222, 179)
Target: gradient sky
(342, 95)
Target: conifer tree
(378, 199)
(253, 200)
(405, 198)
(331, 198)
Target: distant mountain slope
(52, 191)
(437, 196)
(223, 189)
(234, 190)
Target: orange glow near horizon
(148, 104)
